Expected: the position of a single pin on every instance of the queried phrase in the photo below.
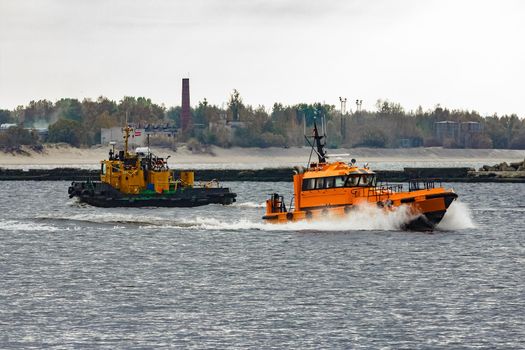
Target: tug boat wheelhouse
(335, 189)
(141, 179)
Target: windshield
(364, 180)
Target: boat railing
(423, 184)
(277, 203)
(382, 190)
(291, 207)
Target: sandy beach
(256, 158)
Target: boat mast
(320, 147)
(126, 130)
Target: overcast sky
(460, 54)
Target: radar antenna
(317, 145)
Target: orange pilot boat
(334, 189)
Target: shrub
(16, 136)
(372, 137)
(481, 141)
(68, 131)
(518, 141)
(163, 141)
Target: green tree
(313, 111)
(37, 114)
(5, 116)
(69, 108)
(518, 141)
(96, 115)
(68, 131)
(140, 110)
(235, 105)
(372, 136)
(173, 114)
(201, 113)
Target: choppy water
(75, 276)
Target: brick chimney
(185, 117)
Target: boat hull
(426, 221)
(427, 211)
(99, 194)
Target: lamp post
(343, 111)
(358, 104)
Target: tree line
(78, 123)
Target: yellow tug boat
(141, 179)
(334, 189)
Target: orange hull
(427, 207)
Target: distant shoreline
(56, 156)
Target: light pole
(358, 104)
(343, 111)
(343, 104)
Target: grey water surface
(75, 276)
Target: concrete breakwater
(271, 175)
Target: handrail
(379, 191)
(277, 199)
(423, 184)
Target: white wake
(458, 217)
(249, 205)
(364, 217)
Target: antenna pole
(320, 147)
(311, 151)
(126, 135)
(343, 120)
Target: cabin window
(308, 184)
(352, 181)
(326, 182)
(340, 181)
(366, 180)
(103, 169)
